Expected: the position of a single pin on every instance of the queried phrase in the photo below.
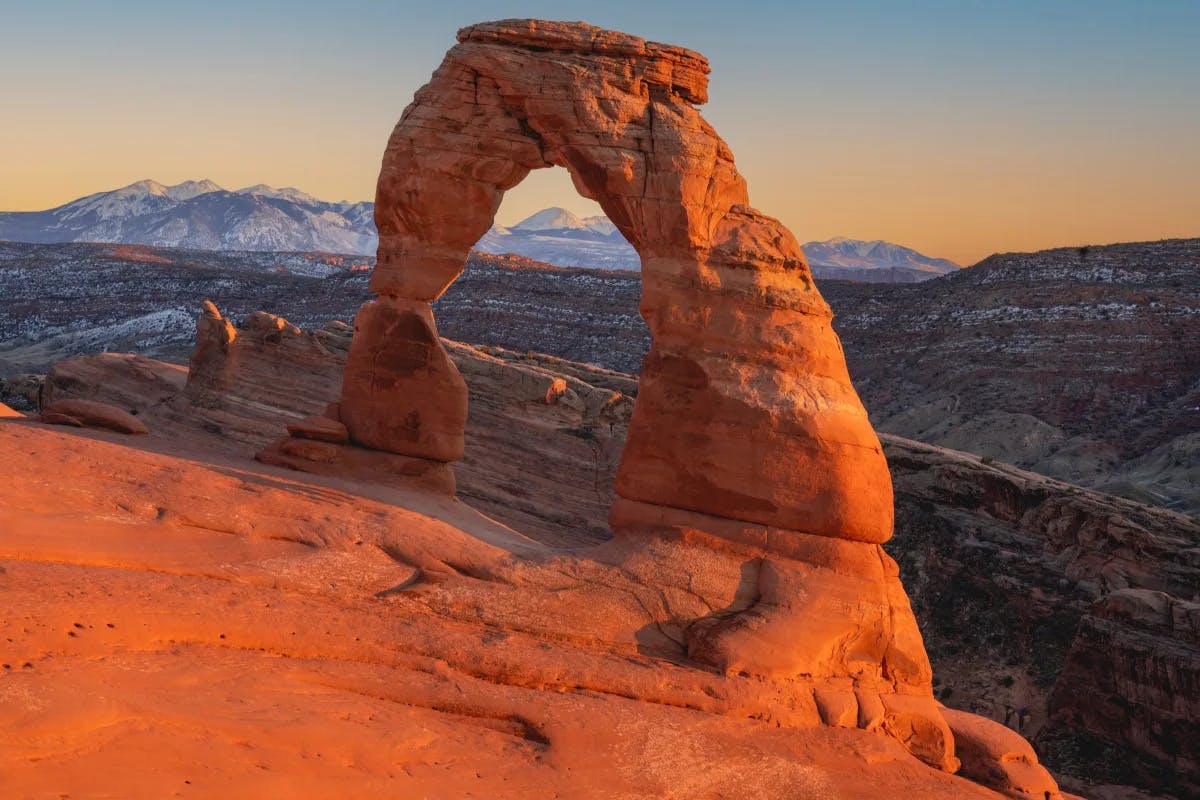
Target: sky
(957, 127)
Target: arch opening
(558, 425)
(545, 220)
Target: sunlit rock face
(746, 410)
(753, 494)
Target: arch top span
(745, 408)
(615, 110)
(684, 72)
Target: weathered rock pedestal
(747, 438)
(401, 392)
(321, 445)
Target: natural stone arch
(745, 409)
(753, 493)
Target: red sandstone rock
(93, 414)
(556, 391)
(745, 409)
(6, 412)
(320, 429)
(133, 383)
(802, 630)
(401, 392)
(215, 336)
(746, 437)
(997, 756)
(252, 633)
(359, 464)
(52, 418)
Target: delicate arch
(745, 409)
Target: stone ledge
(359, 464)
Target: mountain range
(873, 262)
(202, 215)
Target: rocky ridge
(200, 215)
(1075, 363)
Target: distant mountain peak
(553, 218)
(856, 259)
(200, 214)
(286, 193)
(179, 192)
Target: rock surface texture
(206, 626)
(81, 413)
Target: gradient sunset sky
(958, 128)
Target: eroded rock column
(401, 392)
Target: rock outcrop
(1130, 685)
(89, 413)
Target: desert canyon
(367, 559)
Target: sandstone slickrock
(358, 463)
(94, 414)
(1002, 601)
(6, 412)
(134, 383)
(1003, 565)
(209, 626)
(53, 418)
(997, 756)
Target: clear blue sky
(960, 128)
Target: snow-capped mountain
(202, 215)
(557, 236)
(560, 219)
(875, 262)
